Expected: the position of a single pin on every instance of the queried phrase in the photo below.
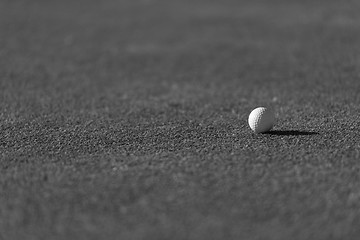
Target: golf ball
(261, 119)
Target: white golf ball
(261, 119)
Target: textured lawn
(128, 119)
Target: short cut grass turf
(128, 119)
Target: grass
(128, 120)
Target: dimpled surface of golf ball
(261, 119)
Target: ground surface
(128, 119)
